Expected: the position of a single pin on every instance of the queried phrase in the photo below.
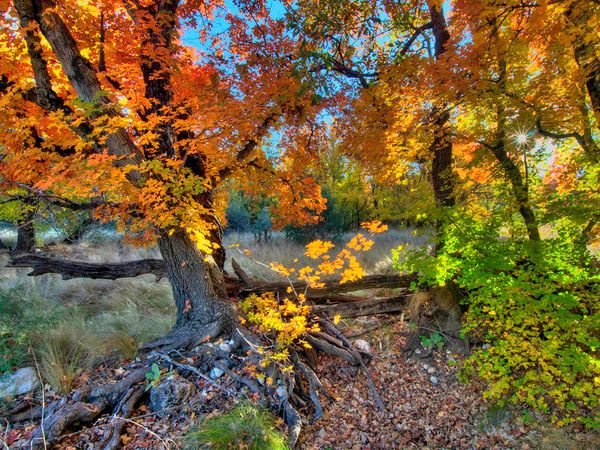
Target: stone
(362, 345)
(20, 382)
(225, 347)
(434, 380)
(431, 370)
(281, 392)
(172, 391)
(216, 372)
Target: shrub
(246, 426)
(534, 304)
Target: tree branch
(246, 151)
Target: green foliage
(246, 426)
(434, 339)
(536, 306)
(22, 314)
(154, 376)
(247, 214)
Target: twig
(4, 440)
(329, 325)
(194, 371)
(165, 442)
(37, 368)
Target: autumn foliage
(477, 119)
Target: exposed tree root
(123, 411)
(235, 355)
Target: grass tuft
(246, 426)
(62, 356)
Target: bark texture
(198, 299)
(519, 186)
(441, 148)
(25, 228)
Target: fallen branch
(332, 291)
(368, 307)
(78, 269)
(333, 329)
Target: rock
(20, 382)
(170, 392)
(434, 380)
(362, 345)
(216, 372)
(281, 391)
(225, 347)
(431, 370)
(426, 366)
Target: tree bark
(585, 49)
(80, 72)
(199, 300)
(441, 148)
(519, 187)
(25, 228)
(332, 291)
(198, 286)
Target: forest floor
(101, 316)
(419, 414)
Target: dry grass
(93, 318)
(62, 355)
(376, 261)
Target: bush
(534, 304)
(246, 426)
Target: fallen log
(332, 291)
(369, 307)
(70, 269)
(334, 286)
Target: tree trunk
(197, 289)
(25, 229)
(441, 147)
(519, 187)
(585, 52)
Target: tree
(118, 108)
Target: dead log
(334, 286)
(78, 269)
(332, 291)
(369, 307)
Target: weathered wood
(369, 307)
(78, 269)
(235, 287)
(334, 286)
